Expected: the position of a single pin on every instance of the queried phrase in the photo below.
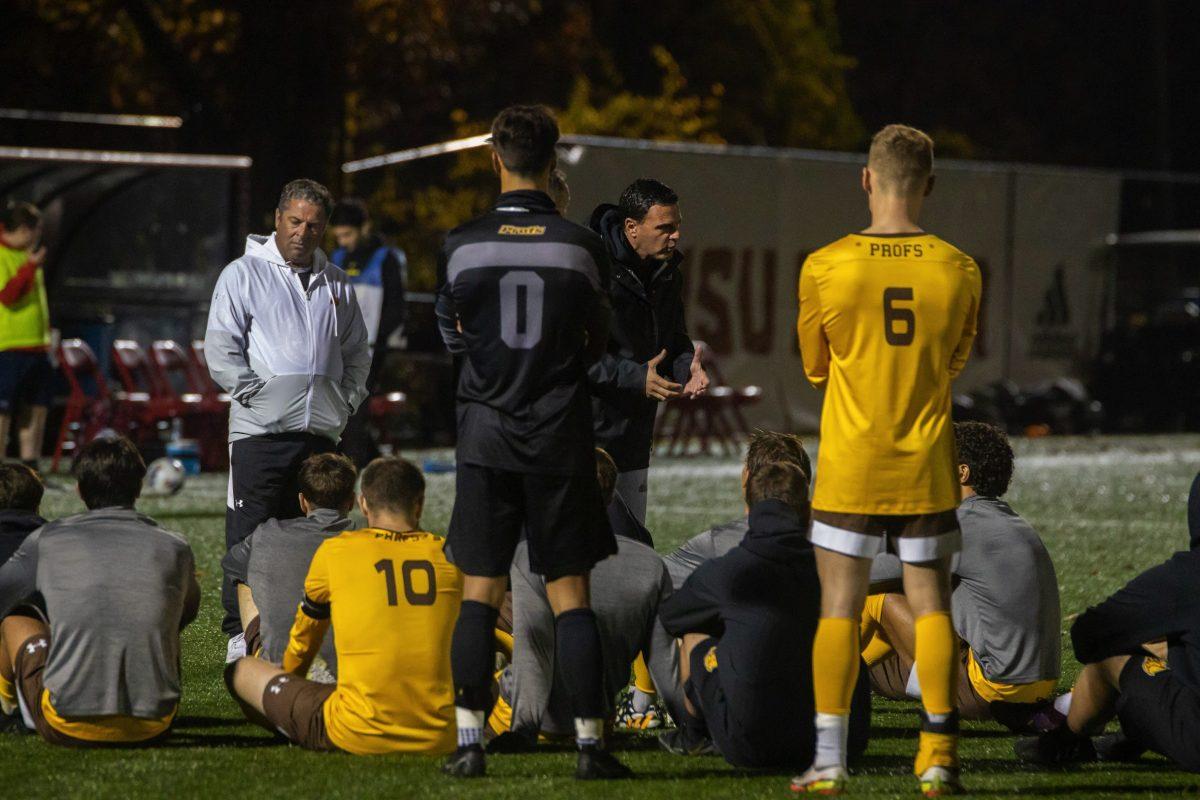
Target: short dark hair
(19, 214)
(308, 190)
(524, 137)
(391, 483)
(110, 471)
(985, 450)
(770, 446)
(606, 475)
(642, 195)
(327, 481)
(350, 211)
(20, 488)
(779, 480)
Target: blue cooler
(187, 452)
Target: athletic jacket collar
(263, 246)
(329, 519)
(14, 521)
(525, 200)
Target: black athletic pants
(263, 485)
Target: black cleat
(12, 723)
(1118, 747)
(466, 762)
(683, 742)
(596, 764)
(1058, 748)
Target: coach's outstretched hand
(698, 383)
(658, 387)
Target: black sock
(472, 649)
(577, 654)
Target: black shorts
(1159, 711)
(25, 377)
(562, 516)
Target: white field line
(1105, 458)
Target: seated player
(765, 447)
(119, 589)
(268, 567)
(747, 621)
(1005, 606)
(626, 591)
(392, 598)
(21, 493)
(1141, 654)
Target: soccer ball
(164, 476)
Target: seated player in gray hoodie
(118, 589)
(269, 566)
(1005, 602)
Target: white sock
(913, 687)
(641, 700)
(832, 733)
(470, 725)
(235, 648)
(588, 731)
(1062, 704)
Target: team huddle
(894, 567)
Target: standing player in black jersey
(522, 298)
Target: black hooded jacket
(14, 527)
(645, 321)
(761, 600)
(1161, 603)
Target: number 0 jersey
(393, 599)
(886, 322)
(523, 298)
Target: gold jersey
(393, 600)
(886, 322)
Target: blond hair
(901, 159)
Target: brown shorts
(889, 678)
(296, 707)
(915, 538)
(29, 671)
(253, 635)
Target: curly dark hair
(985, 450)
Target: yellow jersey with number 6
(886, 323)
(393, 599)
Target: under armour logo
(32, 647)
(241, 503)
(276, 689)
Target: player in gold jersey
(392, 598)
(887, 319)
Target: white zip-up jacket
(291, 360)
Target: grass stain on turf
(1107, 508)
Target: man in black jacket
(649, 357)
(747, 621)
(1141, 651)
(20, 497)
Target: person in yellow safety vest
(26, 372)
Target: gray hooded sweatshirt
(292, 359)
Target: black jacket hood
(777, 533)
(14, 521)
(608, 221)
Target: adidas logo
(1055, 310)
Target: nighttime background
(1109, 84)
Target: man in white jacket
(286, 339)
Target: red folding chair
(143, 397)
(200, 362)
(206, 414)
(382, 410)
(86, 413)
(714, 419)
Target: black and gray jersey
(522, 297)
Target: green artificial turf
(1107, 508)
